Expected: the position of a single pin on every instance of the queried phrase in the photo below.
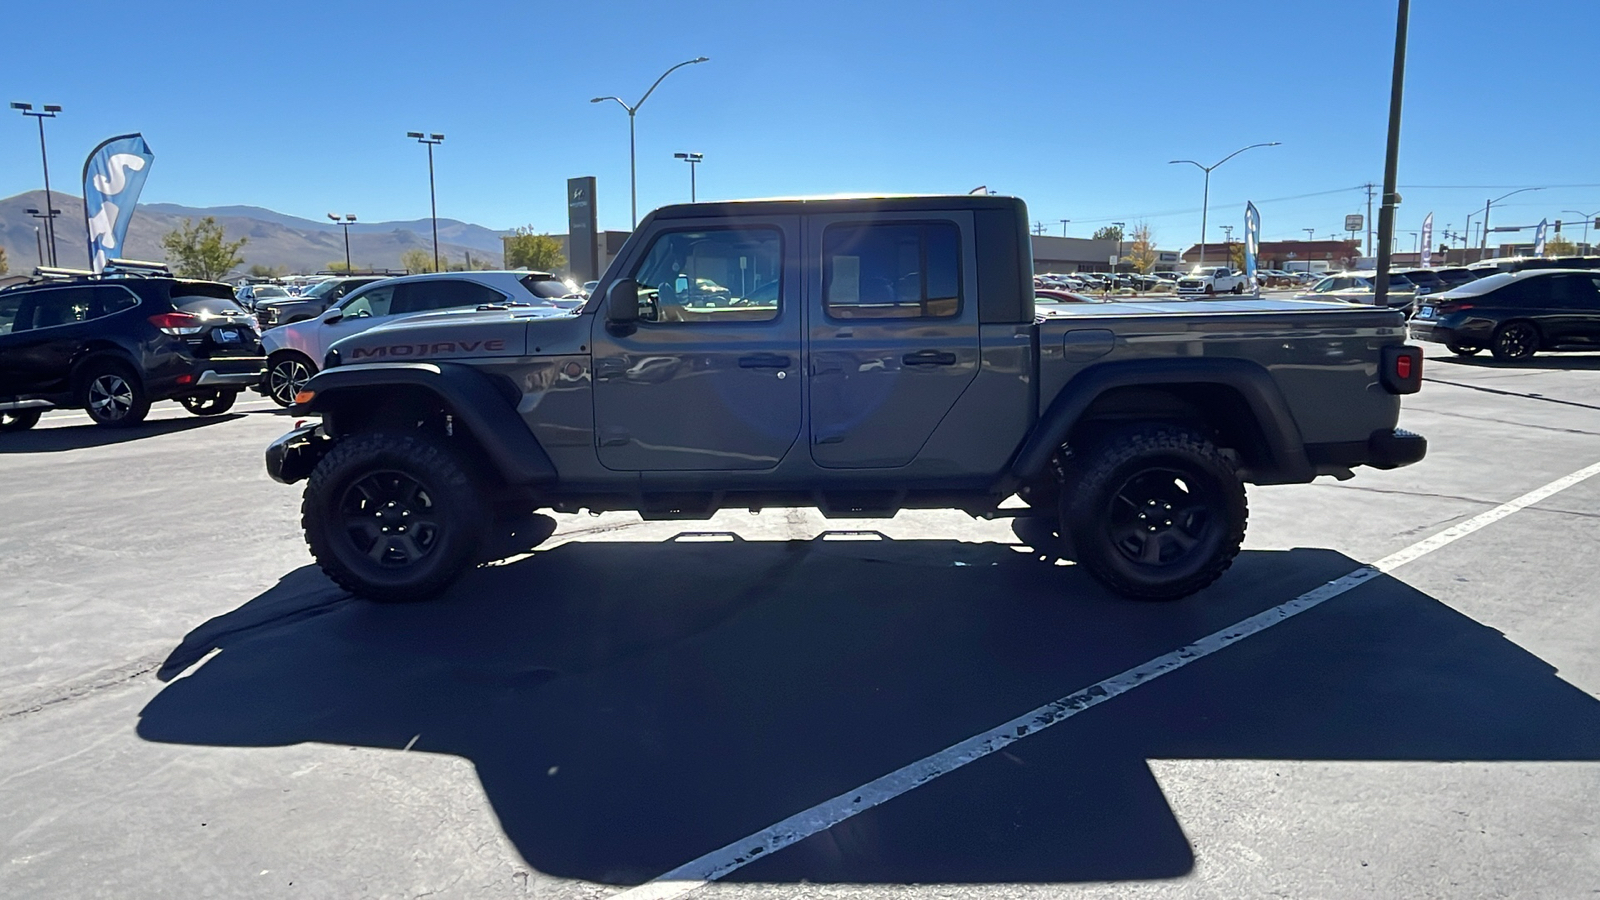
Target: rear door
(893, 333)
(1571, 312)
(709, 377)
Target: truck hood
(463, 334)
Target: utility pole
(1311, 235)
(1369, 219)
(1391, 163)
(1038, 228)
(1064, 227)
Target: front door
(894, 334)
(709, 378)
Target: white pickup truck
(1219, 280)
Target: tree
(257, 270)
(199, 250)
(1142, 253)
(526, 248)
(1236, 255)
(1108, 233)
(416, 260)
(337, 266)
(1560, 246)
(5, 264)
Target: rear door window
(9, 307)
(61, 306)
(447, 293)
(895, 271)
(1571, 291)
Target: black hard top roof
(838, 204)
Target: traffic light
(1558, 226)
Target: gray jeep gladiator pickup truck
(860, 356)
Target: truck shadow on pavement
(80, 437)
(632, 705)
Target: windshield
(267, 290)
(320, 289)
(545, 288)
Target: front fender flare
(471, 396)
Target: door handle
(609, 367)
(929, 358)
(764, 361)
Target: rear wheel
(1155, 512)
(1513, 341)
(19, 419)
(287, 373)
(112, 394)
(210, 404)
(393, 516)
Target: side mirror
(622, 304)
(332, 317)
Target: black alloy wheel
(19, 419)
(393, 516)
(1514, 341)
(285, 377)
(112, 395)
(214, 404)
(1463, 349)
(1155, 512)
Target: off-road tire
(450, 502)
(112, 394)
(212, 404)
(1514, 341)
(19, 419)
(1106, 513)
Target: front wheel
(393, 516)
(210, 404)
(1156, 512)
(1463, 349)
(19, 419)
(1515, 341)
(286, 374)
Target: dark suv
(113, 346)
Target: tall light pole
(1484, 247)
(693, 159)
(49, 112)
(345, 222)
(1064, 223)
(1311, 235)
(633, 171)
(1205, 203)
(433, 206)
(1587, 218)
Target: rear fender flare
(1252, 382)
(472, 397)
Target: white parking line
(798, 827)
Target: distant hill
(274, 239)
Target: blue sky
(1076, 107)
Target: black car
(1515, 314)
(112, 346)
(1455, 277)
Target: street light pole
(633, 170)
(1205, 202)
(1311, 235)
(49, 217)
(345, 223)
(433, 205)
(1064, 227)
(1587, 218)
(693, 159)
(1484, 247)
(49, 112)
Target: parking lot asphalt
(188, 708)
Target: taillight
(1451, 306)
(177, 324)
(1400, 369)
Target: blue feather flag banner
(113, 176)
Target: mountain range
(272, 238)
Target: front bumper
(293, 456)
